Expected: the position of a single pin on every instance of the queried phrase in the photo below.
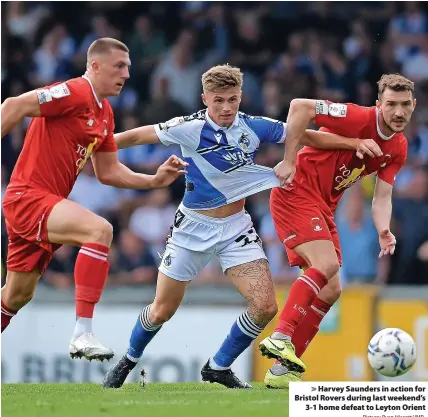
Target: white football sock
(83, 325)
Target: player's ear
(378, 104)
(204, 99)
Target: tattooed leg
(254, 281)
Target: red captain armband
(333, 109)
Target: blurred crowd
(326, 50)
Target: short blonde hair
(395, 82)
(222, 77)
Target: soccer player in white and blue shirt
(219, 144)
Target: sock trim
(98, 252)
(318, 311)
(145, 320)
(131, 358)
(247, 326)
(92, 255)
(309, 283)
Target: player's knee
(329, 267)
(331, 292)
(18, 298)
(160, 314)
(102, 233)
(263, 312)
(271, 310)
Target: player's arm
(382, 212)
(143, 135)
(110, 171)
(326, 140)
(14, 109)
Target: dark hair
(395, 82)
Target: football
(391, 352)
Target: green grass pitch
(155, 400)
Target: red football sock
(302, 293)
(309, 326)
(90, 275)
(6, 315)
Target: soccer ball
(391, 352)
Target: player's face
(223, 105)
(114, 71)
(396, 108)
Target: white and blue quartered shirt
(221, 160)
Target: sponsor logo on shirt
(347, 178)
(84, 154)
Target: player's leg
(180, 264)
(328, 262)
(169, 294)
(70, 223)
(302, 226)
(244, 262)
(279, 376)
(16, 293)
(309, 325)
(321, 257)
(25, 263)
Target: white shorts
(196, 238)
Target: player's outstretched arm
(302, 111)
(143, 135)
(14, 109)
(110, 171)
(382, 212)
(327, 140)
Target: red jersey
(73, 125)
(328, 173)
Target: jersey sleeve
(389, 172)
(267, 129)
(109, 144)
(62, 99)
(184, 131)
(343, 119)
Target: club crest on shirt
(386, 160)
(244, 142)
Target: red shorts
(298, 218)
(26, 211)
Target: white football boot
(88, 347)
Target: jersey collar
(216, 127)
(379, 132)
(100, 105)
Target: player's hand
(285, 172)
(169, 171)
(387, 243)
(368, 147)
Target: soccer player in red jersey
(72, 122)
(303, 210)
